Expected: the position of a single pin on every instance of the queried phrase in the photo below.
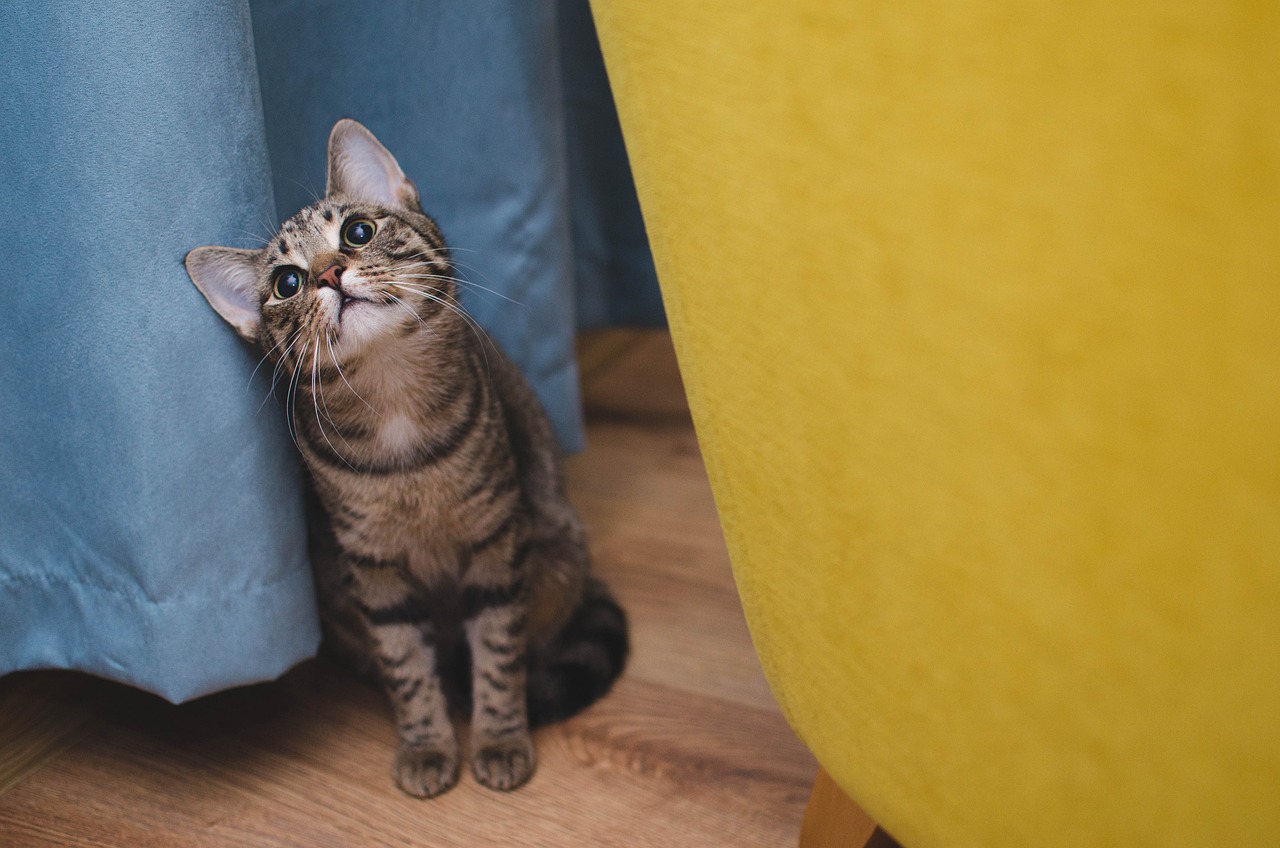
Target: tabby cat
(443, 546)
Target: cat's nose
(331, 277)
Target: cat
(440, 535)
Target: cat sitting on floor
(442, 542)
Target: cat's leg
(404, 646)
(496, 616)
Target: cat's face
(361, 265)
(343, 273)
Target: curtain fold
(151, 523)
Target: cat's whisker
(324, 402)
(422, 260)
(409, 267)
(433, 294)
(449, 252)
(315, 402)
(410, 282)
(267, 225)
(407, 308)
(462, 282)
(479, 332)
(291, 413)
(474, 270)
(443, 298)
(419, 261)
(309, 188)
(258, 237)
(295, 386)
(264, 358)
(471, 284)
(328, 340)
(437, 251)
(275, 374)
(283, 361)
(421, 288)
(410, 310)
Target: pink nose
(331, 277)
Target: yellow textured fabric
(978, 306)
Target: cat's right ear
(228, 279)
(362, 169)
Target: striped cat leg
(494, 603)
(403, 639)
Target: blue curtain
(151, 525)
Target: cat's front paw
(504, 763)
(425, 773)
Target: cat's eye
(358, 233)
(286, 282)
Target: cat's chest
(405, 518)
(421, 506)
(396, 434)
(406, 508)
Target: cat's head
(359, 264)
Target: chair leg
(880, 839)
(832, 820)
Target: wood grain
(688, 750)
(39, 718)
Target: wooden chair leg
(832, 820)
(880, 839)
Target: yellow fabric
(978, 305)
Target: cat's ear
(228, 279)
(362, 169)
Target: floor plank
(689, 749)
(39, 718)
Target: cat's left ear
(362, 169)
(228, 279)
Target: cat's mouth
(348, 307)
(349, 302)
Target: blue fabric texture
(614, 275)
(151, 520)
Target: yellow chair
(978, 308)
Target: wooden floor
(688, 750)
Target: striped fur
(439, 522)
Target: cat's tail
(583, 661)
